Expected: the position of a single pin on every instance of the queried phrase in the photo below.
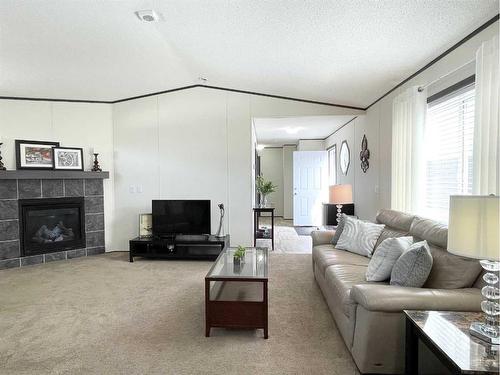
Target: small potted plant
(264, 188)
(239, 256)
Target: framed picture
(68, 158)
(35, 154)
(145, 225)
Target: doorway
(291, 152)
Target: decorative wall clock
(345, 158)
(364, 155)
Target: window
(332, 165)
(448, 142)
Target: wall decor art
(345, 157)
(68, 158)
(34, 154)
(364, 155)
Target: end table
(262, 235)
(446, 334)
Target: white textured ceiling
(279, 131)
(346, 51)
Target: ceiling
(345, 51)
(279, 131)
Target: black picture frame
(58, 168)
(20, 142)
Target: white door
(310, 187)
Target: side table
(257, 234)
(446, 334)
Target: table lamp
(473, 232)
(340, 195)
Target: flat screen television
(172, 217)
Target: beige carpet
(103, 315)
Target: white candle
(95, 150)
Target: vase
(236, 261)
(263, 201)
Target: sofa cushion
(359, 237)
(326, 255)
(389, 232)
(380, 266)
(395, 219)
(413, 267)
(339, 230)
(451, 271)
(341, 278)
(432, 231)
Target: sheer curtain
(408, 122)
(486, 135)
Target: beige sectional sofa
(368, 314)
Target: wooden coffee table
(236, 297)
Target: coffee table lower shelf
(236, 303)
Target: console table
(257, 231)
(446, 334)
(178, 247)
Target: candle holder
(2, 167)
(96, 167)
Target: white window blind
(448, 145)
(332, 165)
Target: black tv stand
(196, 247)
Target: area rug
(305, 231)
(104, 315)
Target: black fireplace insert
(50, 225)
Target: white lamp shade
(341, 194)
(473, 229)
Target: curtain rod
(421, 88)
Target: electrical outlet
(139, 189)
(131, 189)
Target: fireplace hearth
(51, 225)
(66, 216)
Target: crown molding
(448, 51)
(180, 89)
(445, 53)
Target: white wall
(372, 190)
(194, 143)
(288, 180)
(276, 164)
(311, 145)
(271, 167)
(85, 125)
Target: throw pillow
(413, 267)
(388, 252)
(359, 236)
(340, 228)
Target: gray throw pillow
(340, 228)
(413, 267)
(388, 252)
(359, 237)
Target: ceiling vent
(147, 15)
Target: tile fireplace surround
(15, 185)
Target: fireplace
(51, 225)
